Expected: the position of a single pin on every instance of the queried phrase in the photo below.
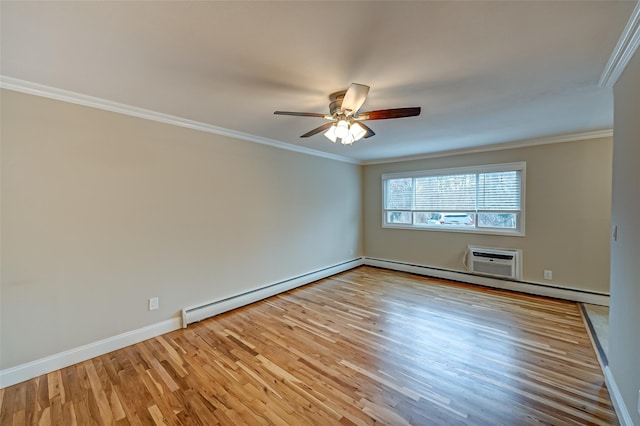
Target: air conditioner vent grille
(493, 255)
(495, 262)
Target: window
(485, 199)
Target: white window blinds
(445, 193)
(499, 191)
(489, 196)
(400, 194)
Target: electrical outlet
(153, 303)
(548, 275)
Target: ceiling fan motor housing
(336, 102)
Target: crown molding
(624, 50)
(37, 89)
(570, 137)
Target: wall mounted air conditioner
(495, 262)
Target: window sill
(492, 231)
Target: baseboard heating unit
(207, 310)
(494, 262)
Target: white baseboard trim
(539, 289)
(208, 310)
(616, 397)
(29, 370)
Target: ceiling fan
(346, 125)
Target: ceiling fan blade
(318, 130)
(354, 98)
(384, 114)
(368, 129)
(301, 114)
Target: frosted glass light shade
(357, 131)
(342, 129)
(347, 140)
(331, 134)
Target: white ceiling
(484, 72)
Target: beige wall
(101, 211)
(567, 215)
(624, 317)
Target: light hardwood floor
(368, 346)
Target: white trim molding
(619, 405)
(569, 137)
(616, 397)
(207, 310)
(29, 370)
(37, 89)
(624, 50)
(530, 287)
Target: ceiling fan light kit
(345, 132)
(344, 109)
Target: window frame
(519, 231)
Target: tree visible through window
(476, 199)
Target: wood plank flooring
(365, 347)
